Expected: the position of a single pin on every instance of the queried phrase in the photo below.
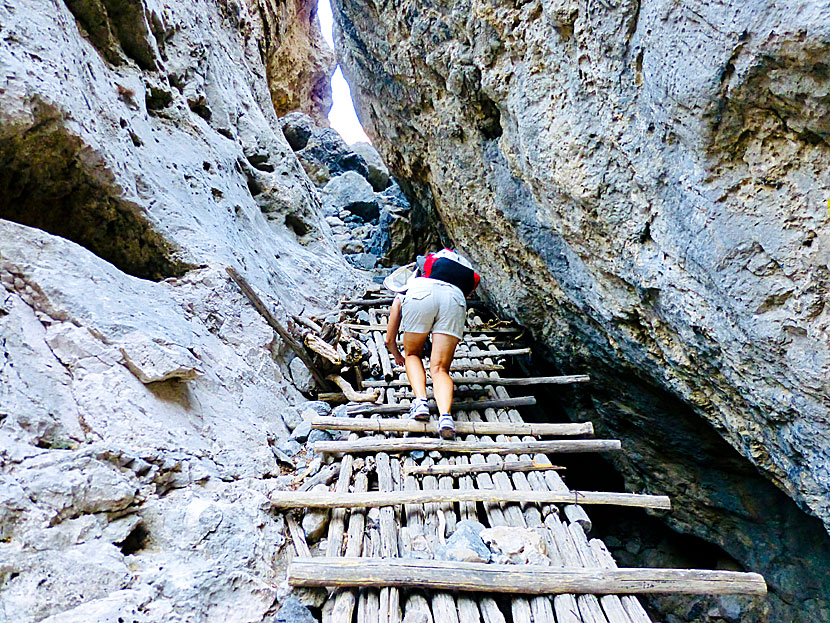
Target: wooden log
(293, 344)
(338, 500)
(524, 579)
(465, 405)
(475, 428)
(469, 366)
(323, 348)
(378, 326)
(344, 601)
(494, 353)
(463, 469)
(430, 443)
(369, 395)
(477, 380)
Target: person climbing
(432, 300)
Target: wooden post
(293, 344)
(525, 579)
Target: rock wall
(643, 185)
(140, 394)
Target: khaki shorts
(433, 306)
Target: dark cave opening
(47, 182)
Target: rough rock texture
(644, 185)
(140, 393)
(298, 60)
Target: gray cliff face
(644, 185)
(140, 393)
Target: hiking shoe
(446, 426)
(419, 409)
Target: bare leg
(413, 346)
(440, 360)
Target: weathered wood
(381, 326)
(369, 395)
(297, 536)
(468, 366)
(524, 579)
(477, 380)
(462, 469)
(383, 353)
(337, 500)
(475, 428)
(465, 405)
(441, 445)
(323, 348)
(494, 353)
(345, 600)
(260, 306)
(338, 516)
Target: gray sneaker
(419, 410)
(446, 426)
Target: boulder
(326, 156)
(297, 128)
(350, 192)
(316, 521)
(301, 376)
(363, 261)
(292, 611)
(465, 544)
(378, 173)
(518, 546)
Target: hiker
(434, 303)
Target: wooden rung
(337, 499)
(461, 405)
(382, 327)
(483, 468)
(477, 380)
(464, 428)
(486, 447)
(492, 353)
(522, 579)
(467, 366)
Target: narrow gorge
(642, 185)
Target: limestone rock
(351, 192)
(645, 212)
(292, 611)
(301, 376)
(378, 173)
(518, 546)
(141, 156)
(465, 544)
(298, 60)
(326, 155)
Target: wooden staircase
(401, 491)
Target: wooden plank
(465, 405)
(430, 443)
(478, 380)
(293, 344)
(524, 579)
(475, 428)
(465, 468)
(329, 499)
